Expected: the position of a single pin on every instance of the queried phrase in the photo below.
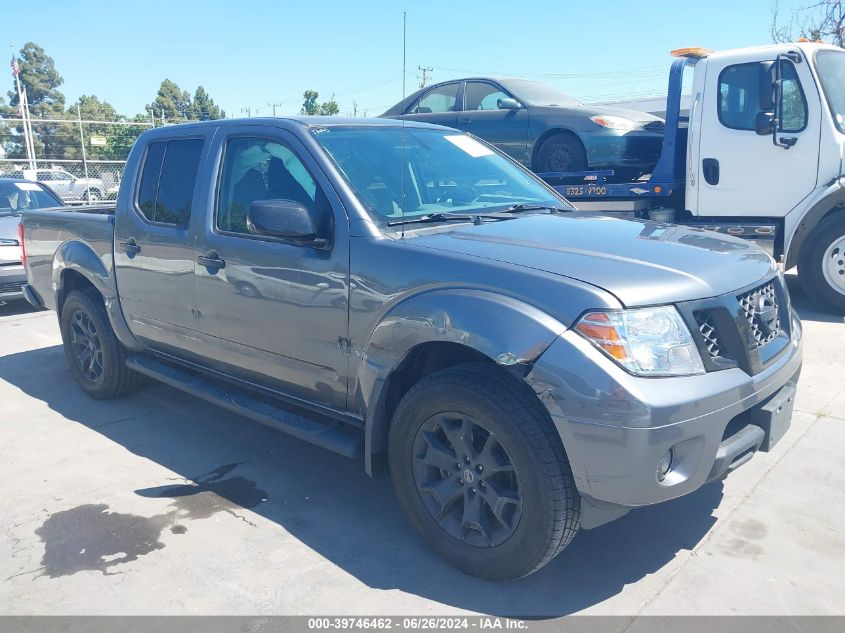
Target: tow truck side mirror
(764, 123)
(766, 87)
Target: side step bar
(243, 403)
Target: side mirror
(764, 123)
(766, 87)
(285, 219)
(508, 104)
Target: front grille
(11, 286)
(762, 313)
(709, 335)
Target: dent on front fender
(504, 329)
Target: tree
(824, 20)
(311, 107)
(309, 103)
(39, 76)
(203, 107)
(330, 107)
(171, 103)
(38, 73)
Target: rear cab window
(168, 179)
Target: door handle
(710, 170)
(211, 260)
(466, 121)
(129, 246)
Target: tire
(561, 152)
(821, 263)
(527, 476)
(99, 367)
(92, 196)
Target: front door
(154, 248)
(274, 311)
(737, 171)
(505, 128)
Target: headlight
(615, 122)
(645, 341)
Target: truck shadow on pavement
(806, 308)
(323, 500)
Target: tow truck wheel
(481, 472)
(96, 358)
(821, 263)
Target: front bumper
(616, 427)
(613, 148)
(12, 280)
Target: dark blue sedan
(542, 128)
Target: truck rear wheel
(821, 263)
(481, 472)
(96, 358)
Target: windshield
(535, 93)
(21, 196)
(433, 171)
(831, 68)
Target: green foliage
(203, 107)
(310, 106)
(38, 73)
(172, 103)
(309, 102)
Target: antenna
(402, 150)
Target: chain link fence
(81, 160)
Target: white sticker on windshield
(27, 186)
(469, 145)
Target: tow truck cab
(758, 155)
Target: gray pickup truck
(408, 295)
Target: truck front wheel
(96, 358)
(481, 472)
(821, 263)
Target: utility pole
(273, 105)
(84, 156)
(247, 110)
(424, 76)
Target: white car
(17, 195)
(68, 186)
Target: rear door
(154, 246)
(272, 311)
(739, 172)
(439, 105)
(482, 116)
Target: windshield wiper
(435, 217)
(530, 206)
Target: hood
(592, 109)
(640, 262)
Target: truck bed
(60, 234)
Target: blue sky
(252, 53)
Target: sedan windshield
(16, 196)
(831, 68)
(413, 172)
(538, 94)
